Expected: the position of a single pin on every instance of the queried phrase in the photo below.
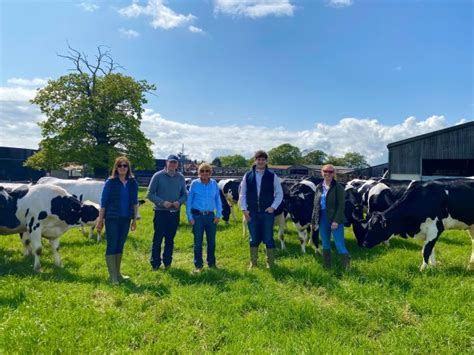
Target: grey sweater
(165, 187)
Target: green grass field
(384, 304)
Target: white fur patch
(451, 223)
(309, 184)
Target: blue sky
(319, 74)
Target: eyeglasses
(122, 166)
(328, 171)
(205, 171)
(172, 161)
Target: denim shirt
(204, 197)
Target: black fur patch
(27, 211)
(30, 225)
(42, 215)
(67, 208)
(27, 242)
(36, 226)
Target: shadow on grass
(216, 277)
(307, 277)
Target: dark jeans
(116, 230)
(261, 229)
(204, 223)
(165, 224)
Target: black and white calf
(230, 189)
(300, 208)
(42, 211)
(424, 212)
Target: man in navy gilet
(260, 195)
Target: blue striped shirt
(204, 197)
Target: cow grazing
(300, 208)
(424, 212)
(42, 211)
(230, 189)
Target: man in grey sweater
(167, 190)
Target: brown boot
(346, 261)
(118, 261)
(327, 259)
(253, 257)
(270, 257)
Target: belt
(202, 213)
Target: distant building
(371, 171)
(445, 153)
(11, 165)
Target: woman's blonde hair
(205, 166)
(118, 160)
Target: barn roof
(431, 134)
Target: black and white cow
(300, 208)
(86, 190)
(354, 213)
(424, 212)
(42, 211)
(384, 194)
(230, 189)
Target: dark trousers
(204, 223)
(165, 224)
(116, 230)
(261, 229)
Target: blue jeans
(261, 229)
(165, 224)
(325, 233)
(116, 230)
(204, 223)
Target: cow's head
(67, 208)
(8, 207)
(378, 230)
(89, 211)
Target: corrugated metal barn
(445, 153)
(11, 165)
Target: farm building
(11, 165)
(371, 171)
(445, 153)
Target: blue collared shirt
(204, 197)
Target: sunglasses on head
(122, 166)
(328, 171)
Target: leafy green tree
(217, 162)
(315, 157)
(284, 154)
(93, 115)
(355, 160)
(336, 161)
(236, 160)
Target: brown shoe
(346, 261)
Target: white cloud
(88, 6)
(195, 29)
(340, 3)
(28, 82)
(254, 8)
(366, 136)
(162, 16)
(18, 124)
(128, 33)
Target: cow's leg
(35, 237)
(83, 231)
(25, 240)
(99, 236)
(244, 226)
(233, 213)
(280, 220)
(55, 249)
(91, 233)
(431, 238)
(315, 239)
(302, 236)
